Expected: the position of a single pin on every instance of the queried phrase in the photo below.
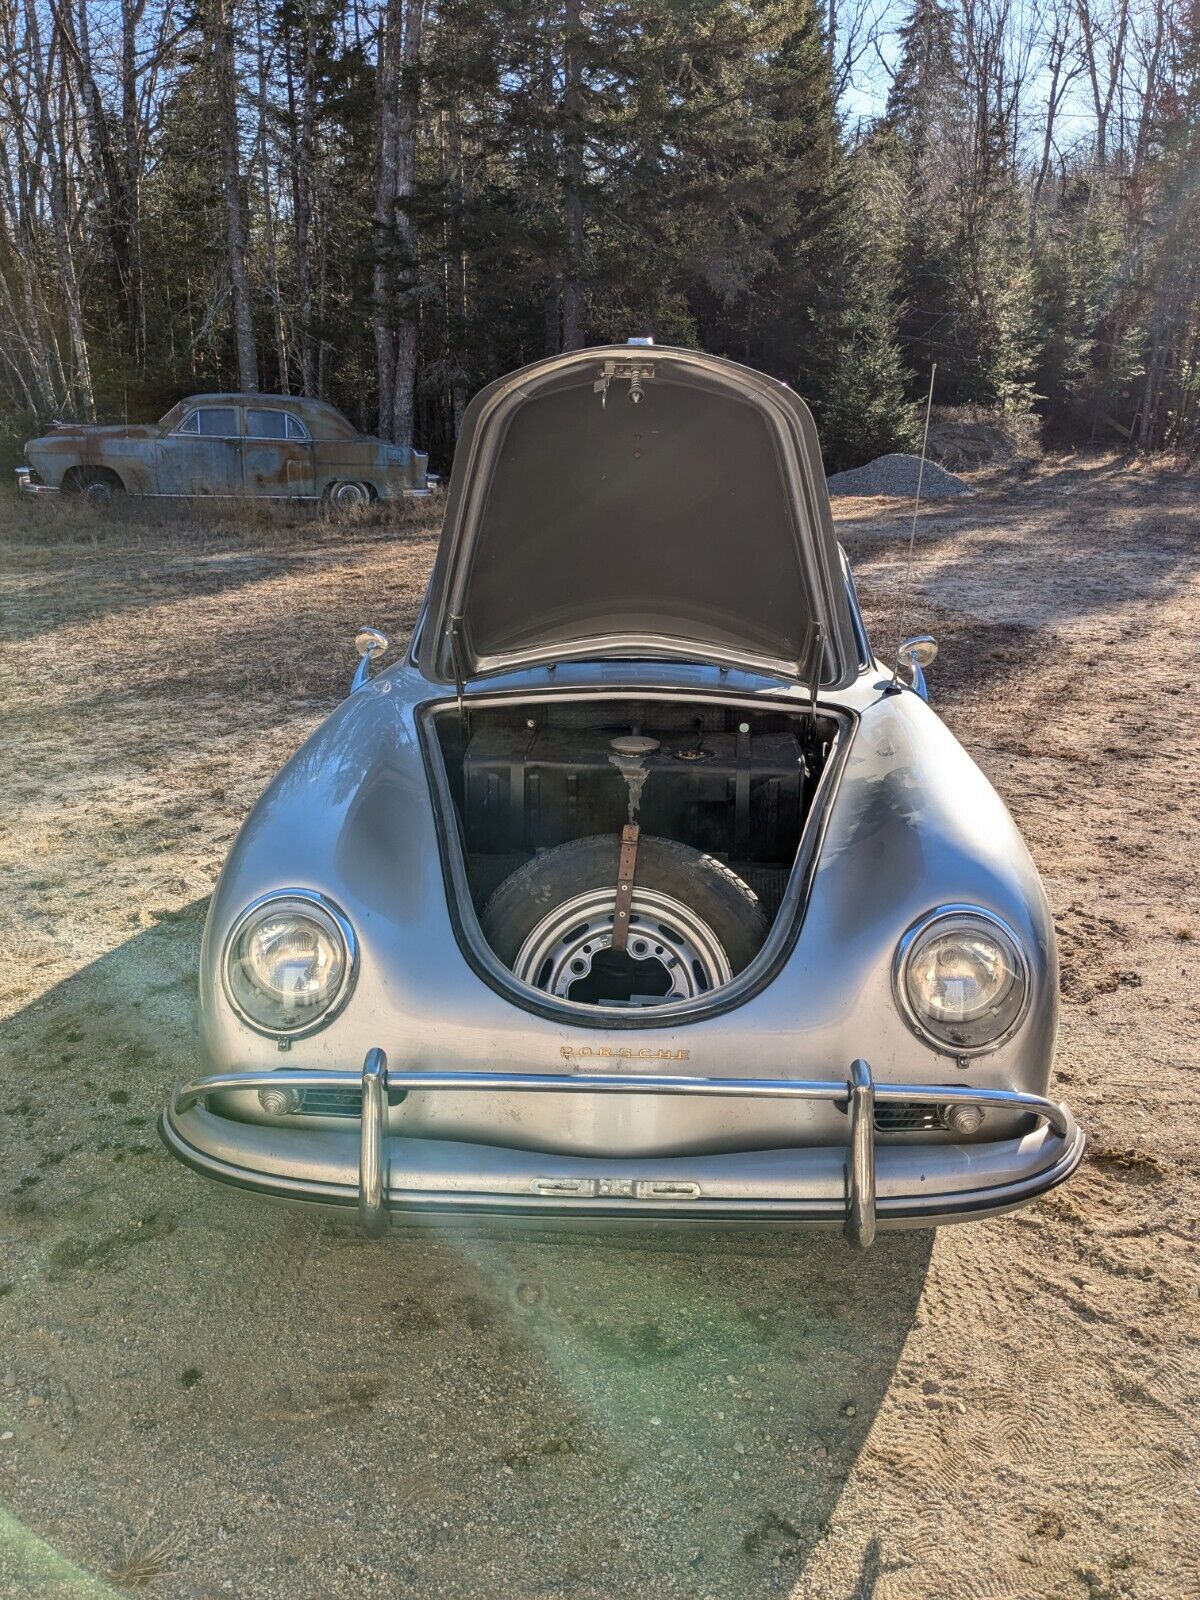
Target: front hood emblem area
(614, 1054)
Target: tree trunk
(1103, 77)
(395, 306)
(220, 22)
(1060, 81)
(53, 134)
(272, 255)
(304, 153)
(131, 138)
(572, 285)
(387, 77)
(110, 175)
(33, 378)
(542, 159)
(405, 228)
(457, 279)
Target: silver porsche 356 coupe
(639, 889)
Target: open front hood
(632, 501)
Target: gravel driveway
(211, 1396)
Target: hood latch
(637, 372)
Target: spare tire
(693, 923)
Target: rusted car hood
(635, 501)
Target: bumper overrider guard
(859, 1208)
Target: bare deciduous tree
(219, 25)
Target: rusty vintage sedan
(278, 446)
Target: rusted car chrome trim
(857, 1096)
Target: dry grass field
(204, 1396)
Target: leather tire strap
(626, 870)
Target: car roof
(309, 407)
(279, 402)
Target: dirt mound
(965, 438)
(897, 475)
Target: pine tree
(797, 290)
(1077, 290)
(926, 88)
(960, 254)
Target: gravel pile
(897, 475)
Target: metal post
(372, 1165)
(860, 1169)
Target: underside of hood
(631, 501)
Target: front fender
(49, 460)
(916, 825)
(348, 816)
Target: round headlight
(961, 978)
(289, 963)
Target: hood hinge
(816, 660)
(454, 629)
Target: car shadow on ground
(290, 1409)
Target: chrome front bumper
(862, 1186)
(25, 482)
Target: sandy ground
(214, 1396)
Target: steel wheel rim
(349, 496)
(663, 932)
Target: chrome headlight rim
(940, 920)
(322, 904)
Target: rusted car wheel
(99, 486)
(693, 924)
(353, 496)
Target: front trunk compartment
(734, 784)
